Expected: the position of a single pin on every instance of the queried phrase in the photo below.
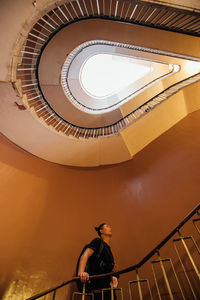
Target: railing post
(139, 285)
(54, 295)
(83, 292)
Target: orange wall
(47, 211)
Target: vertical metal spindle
(178, 20)
(116, 7)
(51, 115)
(183, 24)
(92, 8)
(174, 18)
(189, 255)
(144, 15)
(157, 15)
(37, 37)
(177, 280)
(52, 20)
(37, 43)
(104, 7)
(74, 10)
(122, 10)
(54, 295)
(62, 12)
(68, 11)
(195, 27)
(139, 13)
(38, 110)
(156, 282)
(170, 16)
(112, 294)
(184, 20)
(44, 27)
(127, 11)
(139, 285)
(165, 277)
(134, 9)
(85, 7)
(50, 25)
(184, 271)
(39, 33)
(67, 126)
(161, 17)
(194, 222)
(79, 6)
(58, 124)
(153, 11)
(110, 10)
(55, 13)
(98, 9)
(191, 24)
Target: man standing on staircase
(97, 258)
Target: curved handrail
(131, 268)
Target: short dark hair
(98, 229)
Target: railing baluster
(116, 7)
(182, 239)
(64, 15)
(52, 20)
(55, 13)
(131, 16)
(54, 295)
(122, 10)
(127, 10)
(184, 270)
(139, 285)
(151, 14)
(145, 13)
(85, 7)
(68, 11)
(92, 8)
(79, 6)
(195, 225)
(110, 9)
(160, 261)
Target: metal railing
(185, 263)
(132, 12)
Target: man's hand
(84, 277)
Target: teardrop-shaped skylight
(105, 74)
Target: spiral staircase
(42, 117)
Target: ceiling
(36, 114)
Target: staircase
(170, 271)
(129, 12)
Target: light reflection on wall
(26, 285)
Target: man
(97, 259)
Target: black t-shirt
(100, 265)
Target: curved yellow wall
(47, 211)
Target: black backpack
(89, 267)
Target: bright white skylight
(105, 74)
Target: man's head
(104, 229)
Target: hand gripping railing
(131, 268)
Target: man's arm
(84, 276)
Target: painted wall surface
(48, 211)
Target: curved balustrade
(140, 13)
(161, 261)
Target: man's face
(107, 230)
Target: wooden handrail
(131, 268)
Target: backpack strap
(101, 247)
